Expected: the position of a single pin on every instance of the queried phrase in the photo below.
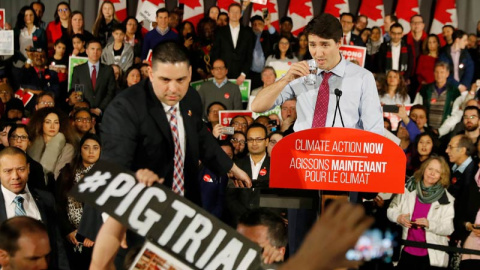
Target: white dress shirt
(181, 128)
(235, 32)
(29, 204)
(256, 167)
(396, 56)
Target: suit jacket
(238, 59)
(136, 134)
(46, 206)
(356, 40)
(104, 89)
(466, 67)
(48, 81)
(240, 200)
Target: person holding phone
(425, 211)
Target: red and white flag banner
(405, 10)
(375, 12)
(193, 11)
(120, 8)
(224, 4)
(445, 13)
(272, 7)
(337, 7)
(301, 12)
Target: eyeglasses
(242, 142)
(470, 116)
(237, 124)
(256, 140)
(62, 9)
(47, 103)
(451, 147)
(218, 68)
(273, 142)
(84, 120)
(19, 137)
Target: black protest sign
(167, 220)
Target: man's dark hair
(169, 52)
(91, 41)
(234, 4)
(12, 151)
(226, 143)
(15, 127)
(162, 10)
(11, 230)
(120, 27)
(235, 117)
(354, 19)
(81, 110)
(79, 36)
(286, 19)
(448, 26)
(256, 18)
(39, 3)
(396, 25)
(258, 125)
(458, 34)
(416, 15)
(223, 13)
(465, 141)
(219, 59)
(277, 232)
(442, 64)
(325, 26)
(472, 108)
(215, 103)
(41, 95)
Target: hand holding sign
(241, 178)
(148, 177)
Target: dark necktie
(177, 185)
(19, 210)
(321, 106)
(94, 77)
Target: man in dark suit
(234, 44)
(257, 165)
(349, 38)
(98, 80)
(262, 48)
(156, 129)
(16, 199)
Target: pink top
(418, 234)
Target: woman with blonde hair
(106, 19)
(425, 212)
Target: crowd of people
(55, 132)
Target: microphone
(338, 93)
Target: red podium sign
(342, 159)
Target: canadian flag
(405, 10)
(120, 8)
(192, 11)
(224, 4)
(144, 5)
(445, 13)
(272, 6)
(301, 12)
(337, 7)
(374, 11)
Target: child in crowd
(118, 52)
(78, 42)
(59, 61)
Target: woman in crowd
(51, 140)
(365, 34)
(27, 34)
(373, 45)
(78, 42)
(424, 147)
(302, 53)
(282, 57)
(238, 140)
(187, 34)
(69, 209)
(395, 91)
(133, 36)
(58, 28)
(19, 137)
(206, 32)
(425, 211)
(77, 26)
(131, 77)
(426, 61)
(273, 139)
(106, 19)
(213, 13)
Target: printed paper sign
(341, 159)
(356, 54)
(24, 96)
(6, 42)
(74, 61)
(226, 117)
(169, 221)
(147, 12)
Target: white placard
(147, 12)
(6, 42)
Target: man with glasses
(349, 38)
(44, 100)
(239, 123)
(257, 165)
(471, 123)
(220, 89)
(83, 123)
(463, 186)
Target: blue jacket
(466, 66)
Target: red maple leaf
(270, 6)
(441, 11)
(332, 8)
(114, 1)
(191, 3)
(300, 7)
(405, 9)
(155, 2)
(224, 4)
(369, 9)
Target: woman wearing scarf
(425, 211)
